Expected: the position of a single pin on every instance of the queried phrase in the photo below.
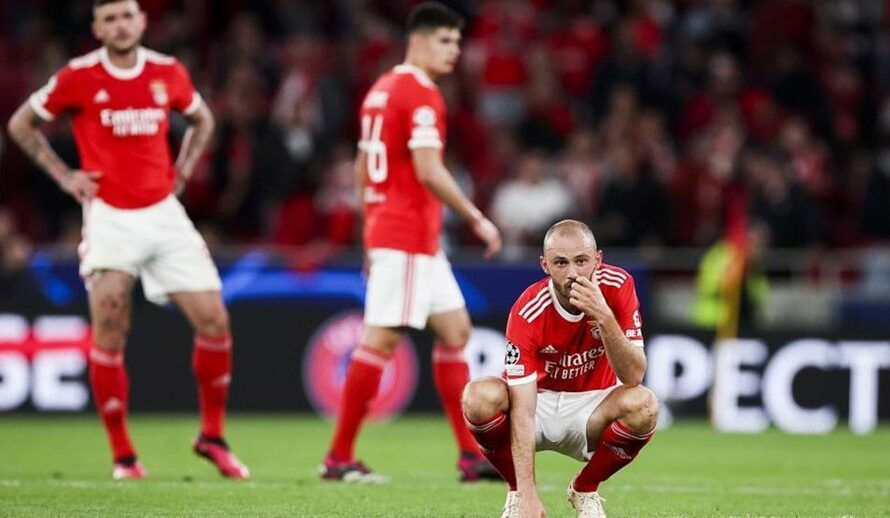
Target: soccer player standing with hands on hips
(573, 374)
(119, 98)
(403, 182)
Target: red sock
(108, 379)
(451, 375)
(617, 447)
(494, 438)
(212, 364)
(361, 385)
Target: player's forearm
(194, 143)
(522, 439)
(442, 184)
(360, 174)
(23, 131)
(628, 361)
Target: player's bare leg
(486, 407)
(616, 432)
(110, 299)
(212, 364)
(359, 388)
(451, 375)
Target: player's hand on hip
(530, 506)
(181, 180)
(489, 234)
(587, 296)
(82, 185)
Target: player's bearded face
(568, 259)
(119, 25)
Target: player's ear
(599, 258)
(544, 265)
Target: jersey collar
(422, 78)
(563, 312)
(122, 73)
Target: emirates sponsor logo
(133, 122)
(571, 366)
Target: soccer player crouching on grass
(573, 374)
(119, 98)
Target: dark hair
(431, 16)
(100, 3)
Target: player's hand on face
(82, 185)
(587, 296)
(490, 235)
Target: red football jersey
(120, 119)
(403, 111)
(561, 350)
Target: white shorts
(405, 289)
(158, 243)
(561, 421)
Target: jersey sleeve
(520, 362)
(627, 313)
(60, 94)
(426, 117)
(183, 96)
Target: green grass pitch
(58, 466)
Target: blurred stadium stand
(646, 118)
(658, 122)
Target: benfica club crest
(159, 92)
(595, 331)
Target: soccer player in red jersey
(403, 182)
(119, 98)
(572, 380)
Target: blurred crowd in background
(646, 118)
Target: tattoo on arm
(37, 148)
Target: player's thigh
(181, 262)
(113, 239)
(204, 310)
(452, 328)
(446, 302)
(398, 294)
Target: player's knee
(483, 398)
(214, 322)
(456, 337)
(111, 321)
(641, 409)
